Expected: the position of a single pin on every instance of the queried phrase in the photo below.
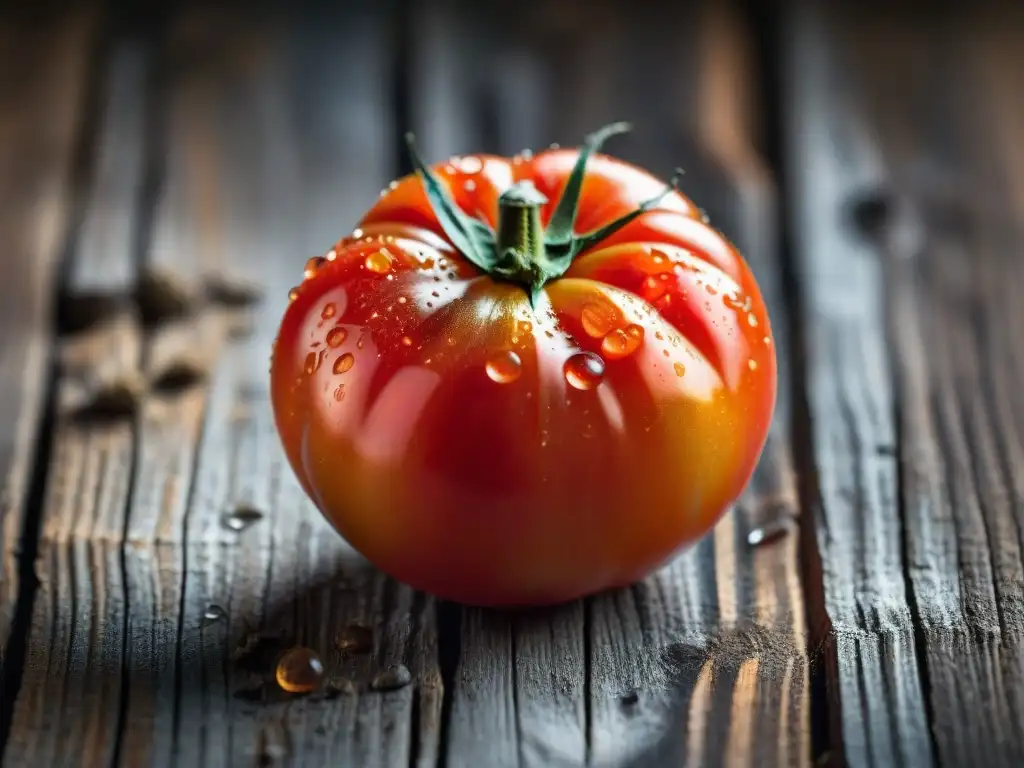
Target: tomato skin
(431, 414)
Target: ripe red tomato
(500, 411)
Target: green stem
(520, 237)
(521, 250)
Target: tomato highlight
(525, 380)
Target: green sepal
(559, 233)
(583, 242)
(472, 237)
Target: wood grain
(152, 626)
(908, 392)
(40, 112)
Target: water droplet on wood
(213, 614)
(180, 374)
(770, 532)
(299, 670)
(392, 678)
(241, 518)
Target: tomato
(522, 381)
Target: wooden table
(160, 174)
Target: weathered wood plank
(72, 676)
(152, 603)
(259, 132)
(851, 399)
(904, 342)
(642, 660)
(40, 113)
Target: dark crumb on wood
(250, 694)
(629, 698)
(180, 374)
(80, 312)
(339, 686)
(258, 653)
(112, 401)
(162, 296)
(227, 292)
(870, 211)
(240, 327)
(354, 638)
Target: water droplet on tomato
(584, 370)
(299, 670)
(470, 164)
(312, 363)
(379, 262)
(356, 234)
(658, 256)
(344, 363)
(402, 300)
(336, 337)
(469, 186)
(328, 311)
(312, 267)
(752, 364)
(598, 319)
(619, 344)
(504, 367)
(679, 368)
(767, 340)
(752, 320)
(331, 255)
(406, 341)
(293, 294)
(651, 288)
(451, 341)
(634, 331)
(515, 339)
